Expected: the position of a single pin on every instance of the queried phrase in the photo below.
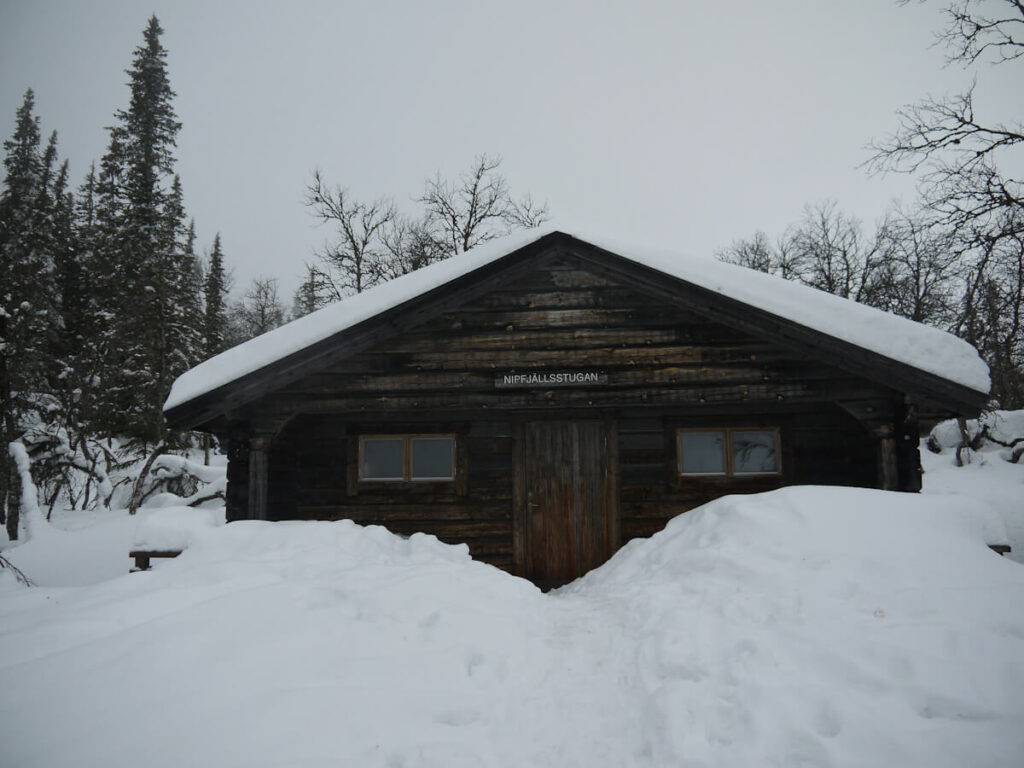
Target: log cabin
(547, 397)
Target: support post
(237, 496)
(888, 465)
(908, 451)
(258, 449)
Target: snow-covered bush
(998, 432)
(78, 471)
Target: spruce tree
(149, 296)
(215, 297)
(89, 334)
(69, 280)
(27, 316)
(307, 296)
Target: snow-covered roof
(919, 346)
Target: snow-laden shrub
(75, 470)
(999, 432)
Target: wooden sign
(544, 379)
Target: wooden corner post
(888, 463)
(259, 447)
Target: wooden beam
(908, 448)
(237, 447)
(259, 447)
(888, 466)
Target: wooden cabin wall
(655, 355)
(311, 475)
(313, 478)
(667, 367)
(819, 445)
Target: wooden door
(566, 499)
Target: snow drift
(807, 626)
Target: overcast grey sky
(678, 124)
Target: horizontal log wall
(666, 368)
(819, 446)
(312, 478)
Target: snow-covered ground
(988, 477)
(804, 627)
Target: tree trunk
(140, 481)
(12, 496)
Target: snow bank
(92, 547)
(920, 346)
(173, 528)
(56, 557)
(987, 476)
(822, 626)
(807, 626)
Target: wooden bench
(142, 556)
(1001, 549)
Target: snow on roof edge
(919, 346)
(897, 338)
(261, 351)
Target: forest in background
(954, 258)
(106, 301)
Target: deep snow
(808, 626)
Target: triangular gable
(900, 353)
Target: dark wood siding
(565, 498)
(559, 317)
(667, 368)
(313, 477)
(820, 445)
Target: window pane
(754, 452)
(382, 458)
(702, 453)
(432, 457)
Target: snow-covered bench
(143, 556)
(169, 531)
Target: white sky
(678, 124)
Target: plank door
(566, 499)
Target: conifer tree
(308, 296)
(149, 298)
(86, 337)
(215, 297)
(70, 291)
(27, 317)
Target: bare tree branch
(374, 242)
(355, 260)
(476, 209)
(971, 35)
(961, 161)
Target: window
(396, 458)
(702, 453)
(754, 451)
(728, 452)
